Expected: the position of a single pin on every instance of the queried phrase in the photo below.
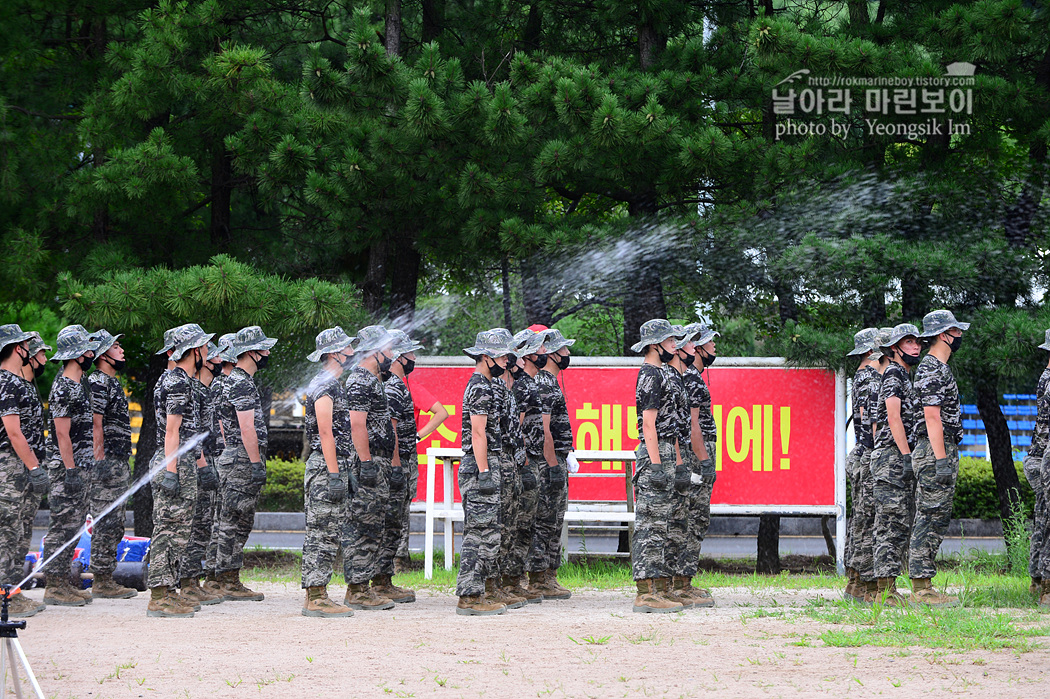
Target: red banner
(776, 430)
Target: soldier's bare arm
(696, 437)
(249, 438)
(65, 444)
(652, 445)
(439, 416)
(893, 418)
(96, 436)
(395, 460)
(359, 434)
(171, 440)
(13, 426)
(323, 411)
(935, 430)
(480, 441)
(549, 454)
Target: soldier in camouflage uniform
(327, 478)
(863, 379)
(31, 372)
(373, 535)
(936, 460)
(71, 454)
(216, 397)
(175, 465)
(891, 461)
(22, 475)
(658, 425)
(545, 553)
(242, 465)
(111, 475)
(1033, 471)
(204, 512)
(680, 532)
(479, 478)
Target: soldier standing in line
(866, 375)
(655, 459)
(1033, 467)
(679, 529)
(936, 460)
(405, 462)
(71, 453)
(216, 397)
(479, 477)
(23, 478)
(891, 461)
(243, 460)
(373, 539)
(545, 555)
(112, 473)
(328, 475)
(32, 500)
(192, 568)
(175, 485)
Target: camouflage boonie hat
(226, 346)
(936, 322)
(491, 343)
(372, 339)
(527, 342)
(555, 340)
(73, 342)
(685, 334)
(36, 343)
(250, 339)
(169, 340)
(330, 341)
(707, 333)
(900, 332)
(11, 334)
(403, 344)
(880, 337)
(653, 332)
(1046, 342)
(213, 352)
(187, 337)
(864, 341)
(105, 341)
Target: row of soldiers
(903, 469)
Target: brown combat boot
(1036, 586)
(869, 592)
(318, 604)
(650, 601)
(524, 589)
(384, 587)
(211, 584)
(190, 589)
(105, 587)
(1044, 598)
(478, 605)
(233, 590)
(887, 594)
(553, 589)
(853, 591)
(538, 582)
(923, 593)
(361, 596)
(164, 603)
(665, 588)
(59, 593)
(511, 585)
(683, 585)
(493, 593)
(22, 607)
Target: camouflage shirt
(653, 392)
(510, 423)
(399, 398)
(19, 397)
(365, 393)
(479, 398)
(324, 384)
(935, 384)
(204, 408)
(897, 384)
(174, 395)
(109, 401)
(216, 397)
(72, 399)
(861, 395)
(1042, 418)
(527, 396)
(241, 395)
(681, 400)
(700, 397)
(553, 403)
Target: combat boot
(683, 585)
(538, 583)
(212, 584)
(1036, 586)
(105, 587)
(384, 587)
(923, 593)
(318, 604)
(233, 590)
(869, 590)
(494, 594)
(852, 592)
(553, 589)
(164, 603)
(887, 594)
(1044, 599)
(477, 605)
(22, 607)
(649, 601)
(191, 590)
(665, 588)
(525, 590)
(78, 590)
(361, 596)
(511, 585)
(59, 593)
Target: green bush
(283, 491)
(975, 493)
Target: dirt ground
(589, 646)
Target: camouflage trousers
(1043, 569)
(370, 532)
(410, 462)
(172, 521)
(107, 532)
(14, 482)
(237, 500)
(509, 512)
(1033, 472)
(204, 515)
(653, 509)
(861, 530)
(892, 500)
(528, 501)
(933, 508)
(552, 502)
(30, 504)
(327, 525)
(693, 515)
(68, 511)
(393, 520)
(852, 469)
(479, 551)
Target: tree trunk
(142, 500)
(643, 300)
(221, 195)
(768, 545)
(915, 297)
(858, 14)
(535, 292)
(393, 27)
(533, 28)
(374, 288)
(404, 278)
(508, 319)
(651, 44)
(874, 309)
(433, 19)
(1007, 485)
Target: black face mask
(496, 370)
(955, 344)
(384, 376)
(562, 361)
(84, 362)
(118, 364)
(198, 361)
(408, 365)
(665, 356)
(26, 358)
(384, 364)
(346, 362)
(909, 359)
(38, 370)
(262, 361)
(688, 359)
(708, 359)
(517, 372)
(540, 361)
